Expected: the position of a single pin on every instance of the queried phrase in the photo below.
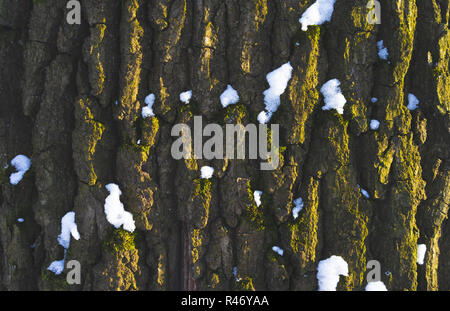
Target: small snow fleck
(57, 267)
(413, 102)
(333, 97)
(328, 272)
(264, 117)
(382, 51)
(364, 192)
(115, 211)
(298, 205)
(20, 220)
(297, 43)
(235, 274)
(138, 142)
(185, 97)
(374, 124)
(206, 172)
(375, 287)
(278, 250)
(257, 195)
(317, 14)
(421, 250)
(229, 97)
(147, 111)
(22, 165)
(278, 81)
(374, 100)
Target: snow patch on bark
(115, 211)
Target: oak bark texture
(71, 97)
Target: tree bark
(71, 98)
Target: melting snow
(317, 14)
(382, 51)
(298, 205)
(278, 250)
(57, 266)
(257, 195)
(147, 111)
(229, 97)
(364, 192)
(206, 172)
(333, 97)
(421, 250)
(22, 165)
(68, 228)
(115, 211)
(375, 287)
(235, 274)
(263, 117)
(278, 81)
(329, 271)
(374, 125)
(413, 102)
(185, 97)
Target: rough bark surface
(71, 99)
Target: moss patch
(254, 213)
(54, 282)
(245, 284)
(120, 240)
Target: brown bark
(71, 99)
